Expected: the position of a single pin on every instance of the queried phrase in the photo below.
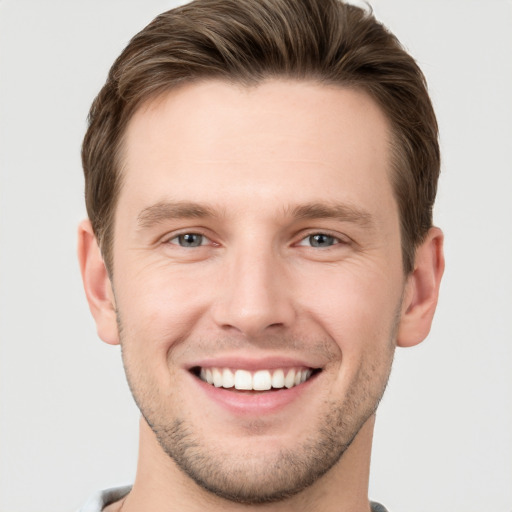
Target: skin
(256, 172)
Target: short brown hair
(245, 42)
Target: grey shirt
(100, 500)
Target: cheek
(160, 305)
(358, 310)
(361, 319)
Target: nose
(255, 296)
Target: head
(246, 42)
(259, 179)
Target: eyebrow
(337, 211)
(163, 211)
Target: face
(257, 278)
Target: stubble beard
(252, 479)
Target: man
(260, 177)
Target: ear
(422, 290)
(97, 286)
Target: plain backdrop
(67, 422)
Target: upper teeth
(260, 380)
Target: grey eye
(189, 240)
(321, 240)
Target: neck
(160, 486)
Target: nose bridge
(254, 295)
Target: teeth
(261, 380)
(305, 374)
(278, 379)
(289, 380)
(243, 380)
(228, 379)
(217, 378)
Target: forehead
(282, 140)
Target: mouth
(260, 380)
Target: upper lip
(253, 364)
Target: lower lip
(256, 403)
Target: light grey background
(67, 422)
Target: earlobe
(97, 285)
(422, 290)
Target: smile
(260, 380)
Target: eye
(189, 240)
(319, 240)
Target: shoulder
(98, 501)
